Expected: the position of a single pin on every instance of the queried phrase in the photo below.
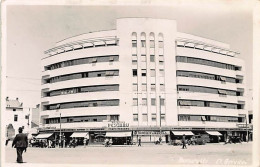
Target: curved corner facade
(145, 74)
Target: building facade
(143, 77)
(15, 117)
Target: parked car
(200, 139)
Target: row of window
(83, 75)
(152, 72)
(151, 40)
(95, 103)
(207, 76)
(145, 117)
(96, 88)
(198, 103)
(206, 90)
(144, 102)
(16, 117)
(143, 44)
(99, 118)
(144, 87)
(192, 60)
(143, 59)
(207, 118)
(92, 45)
(88, 60)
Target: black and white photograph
(115, 83)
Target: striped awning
(222, 92)
(118, 134)
(214, 133)
(44, 136)
(180, 133)
(80, 134)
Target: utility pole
(247, 137)
(160, 118)
(57, 109)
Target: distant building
(15, 117)
(35, 119)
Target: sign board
(155, 133)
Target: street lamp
(160, 119)
(57, 109)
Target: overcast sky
(33, 29)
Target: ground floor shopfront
(129, 135)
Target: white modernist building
(144, 75)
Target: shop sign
(149, 133)
(118, 124)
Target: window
(135, 102)
(144, 87)
(153, 117)
(143, 58)
(134, 72)
(135, 117)
(135, 87)
(143, 44)
(26, 116)
(162, 117)
(153, 88)
(153, 101)
(134, 57)
(15, 118)
(143, 72)
(152, 71)
(162, 87)
(151, 43)
(162, 102)
(152, 58)
(14, 109)
(145, 117)
(134, 43)
(161, 58)
(160, 44)
(161, 73)
(134, 62)
(111, 58)
(144, 101)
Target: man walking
(183, 142)
(20, 143)
(139, 142)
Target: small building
(15, 117)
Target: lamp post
(160, 119)
(57, 109)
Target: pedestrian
(85, 142)
(184, 142)
(20, 143)
(6, 141)
(139, 142)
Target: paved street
(230, 154)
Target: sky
(31, 30)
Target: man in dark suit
(21, 143)
(183, 142)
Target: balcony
(206, 97)
(191, 110)
(205, 69)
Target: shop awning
(44, 136)
(180, 133)
(118, 134)
(214, 133)
(80, 134)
